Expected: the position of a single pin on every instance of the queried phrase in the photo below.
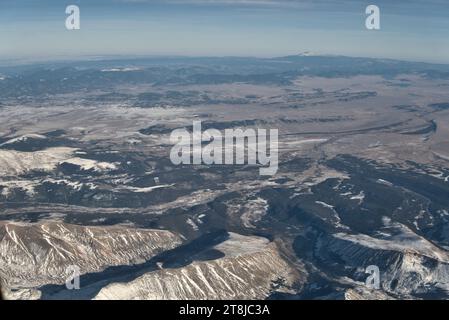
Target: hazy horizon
(413, 31)
(17, 62)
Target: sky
(416, 30)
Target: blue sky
(410, 30)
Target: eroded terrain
(86, 179)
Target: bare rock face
(414, 275)
(410, 266)
(249, 268)
(361, 293)
(32, 255)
